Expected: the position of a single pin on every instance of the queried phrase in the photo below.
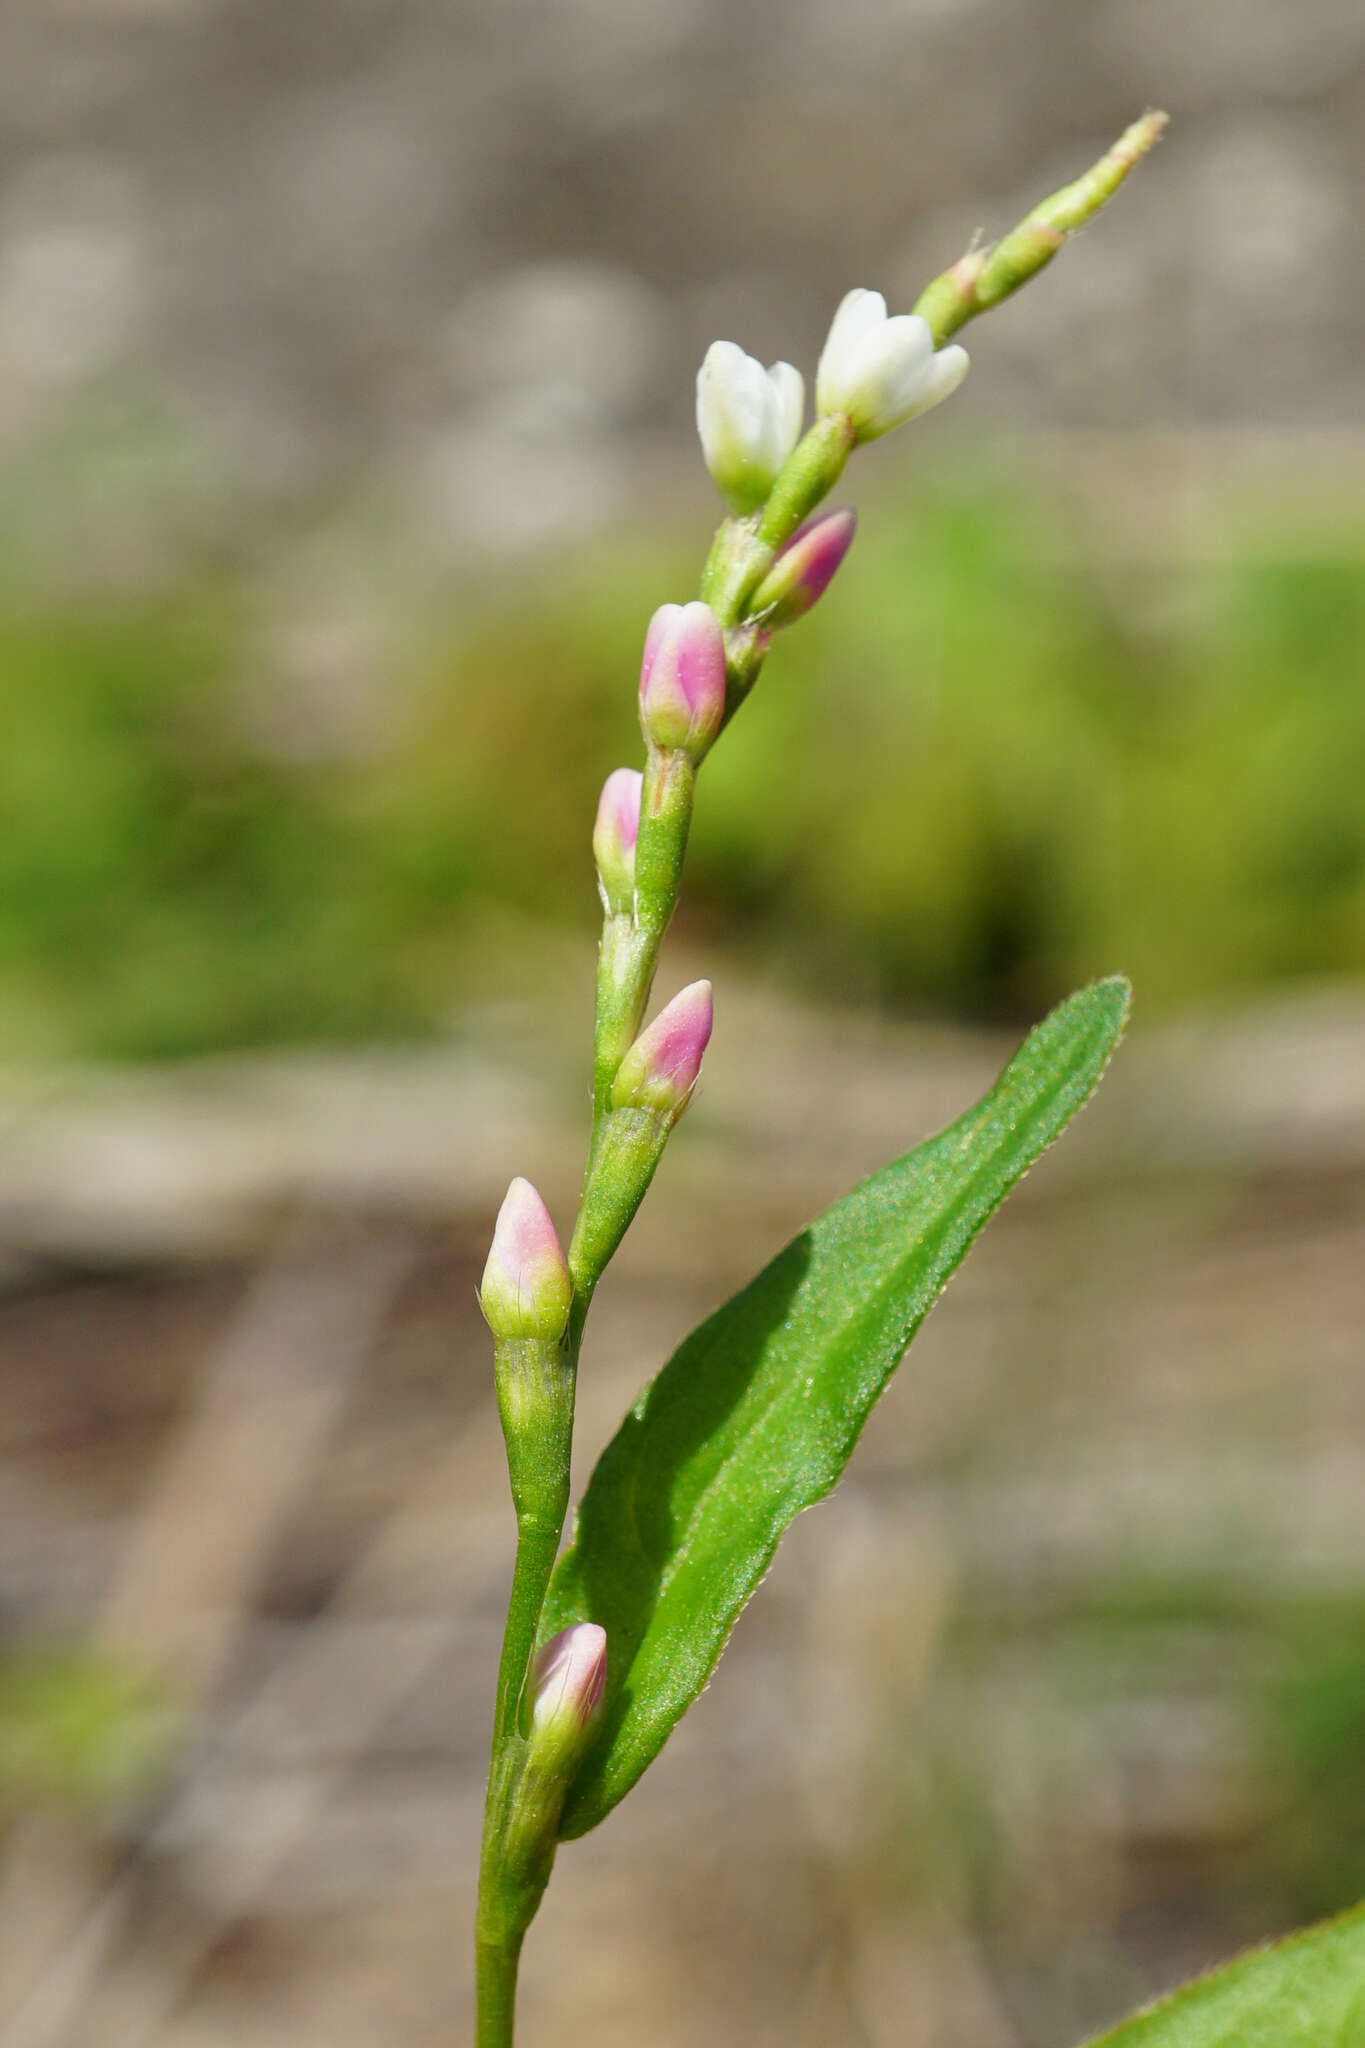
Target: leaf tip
(1119, 991)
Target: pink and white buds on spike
(805, 568)
(749, 420)
(567, 1681)
(526, 1290)
(682, 678)
(660, 1070)
(882, 372)
(614, 836)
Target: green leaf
(1307, 1992)
(757, 1413)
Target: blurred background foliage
(991, 765)
(80, 1729)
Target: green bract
(757, 1413)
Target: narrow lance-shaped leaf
(757, 1413)
(1307, 1992)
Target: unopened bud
(614, 836)
(749, 420)
(983, 277)
(805, 568)
(682, 678)
(564, 1698)
(881, 372)
(660, 1070)
(567, 1681)
(526, 1290)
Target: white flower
(749, 420)
(883, 372)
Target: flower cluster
(877, 371)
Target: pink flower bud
(614, 835)
(567, 1680)
(660, 1070)
(526, 1289)
(805, 568)
(682, 678)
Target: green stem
(623, 1152)
(496, 1962)
(521, 1815)
(505, 1907)
(630, 945)
(810, 474)
(537, 1548)
(625, 970)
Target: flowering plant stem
(629, 950)
(700, 662)
(507, 1903)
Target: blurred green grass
(79, 1729)
(988, 767)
